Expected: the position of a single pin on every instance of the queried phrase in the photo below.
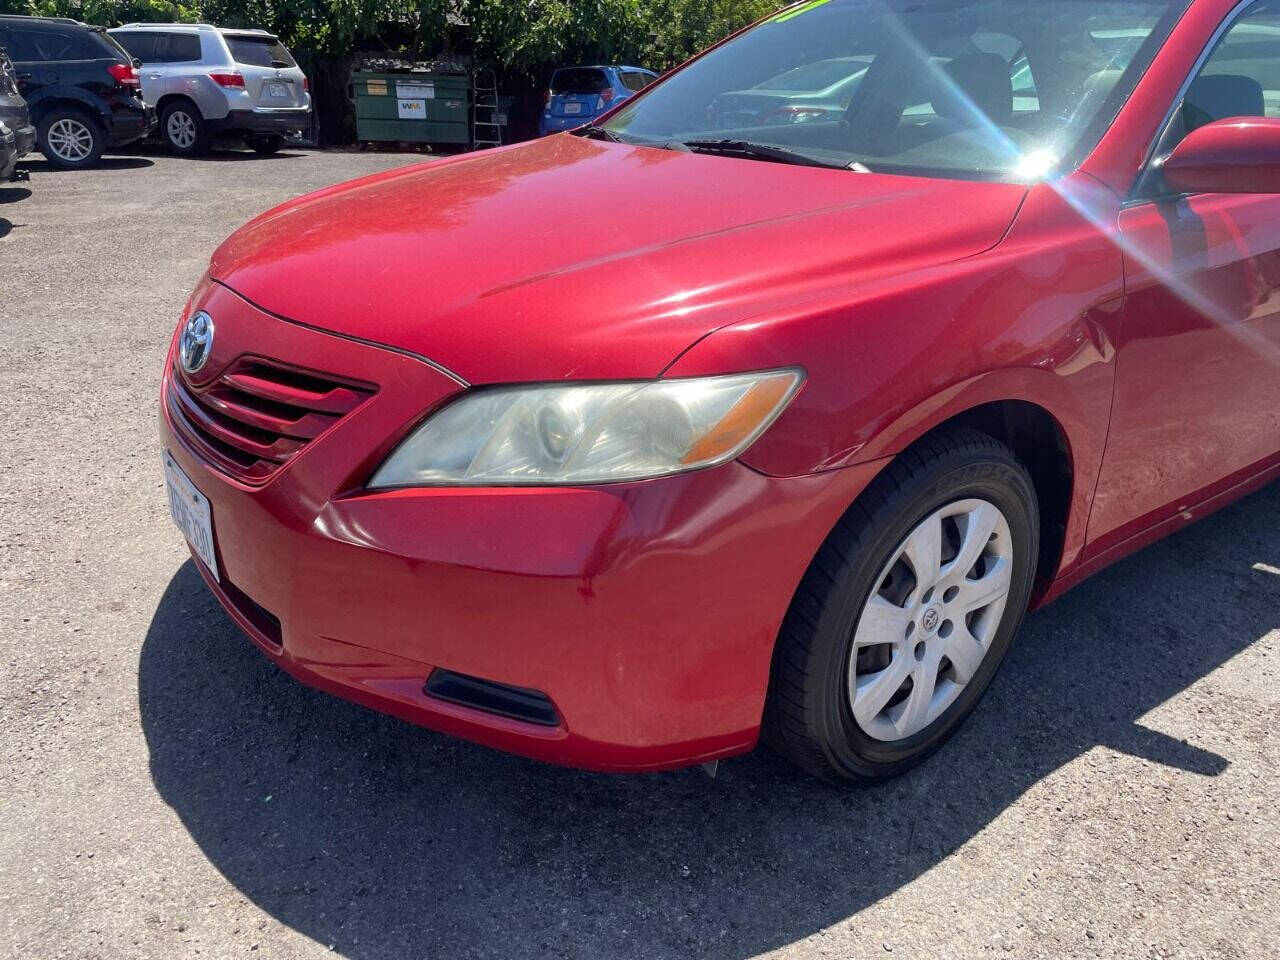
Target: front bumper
(645, 612)
(282, 121)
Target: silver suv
(206, 81)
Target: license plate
(572, 108)
(192, 514)
(277, 89)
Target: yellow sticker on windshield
(797, 11)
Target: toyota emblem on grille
(196, 342)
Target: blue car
(580, 94)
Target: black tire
(68, 125)
(183, 130)
(809, 715)
(266, 145)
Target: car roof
(197, 28)
(606, 66)
(38, 22)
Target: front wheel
(70, 140)
(907, 612)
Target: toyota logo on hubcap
(930, 620)
(196, 342)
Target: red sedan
(629, 447)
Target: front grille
(259, 415)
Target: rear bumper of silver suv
(263, 120)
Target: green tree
(680, 28)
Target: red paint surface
(1149, 334)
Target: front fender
(1034, 320)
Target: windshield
(578, 80)
(975, 89)
(259, 51)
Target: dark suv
(81, 87)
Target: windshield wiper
(594, 132)
(759, 151)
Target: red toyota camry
(725, 419)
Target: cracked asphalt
(165, 792)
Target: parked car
(813, 91)
(13, 109)
(580, 94)
(777, 435)
(206, 82)
(80, 86)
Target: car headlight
(588, 433)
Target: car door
(177, 68)
(1197, 395)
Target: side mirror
(1238, 155)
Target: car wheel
(907, 612)
(266, 145)
(183, 130)
(70, 139)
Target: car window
(109, 45)
(982, 89)
(259, 51)
(1242, 76)
(578, 80)
(44, 45)
(185, 48)
(139, 43)
(634, 80)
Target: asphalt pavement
(166, 792)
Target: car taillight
(227, 79)
(606, 97)
(306, 84)
(125, 74)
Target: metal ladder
(486, 131)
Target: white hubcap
(930, 620)
(70, 140)
(181, 129)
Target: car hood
(575, 258)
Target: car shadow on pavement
(13, 194)
(106, 163)
(383, 840)
(218, 153)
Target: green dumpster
(413, 107)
